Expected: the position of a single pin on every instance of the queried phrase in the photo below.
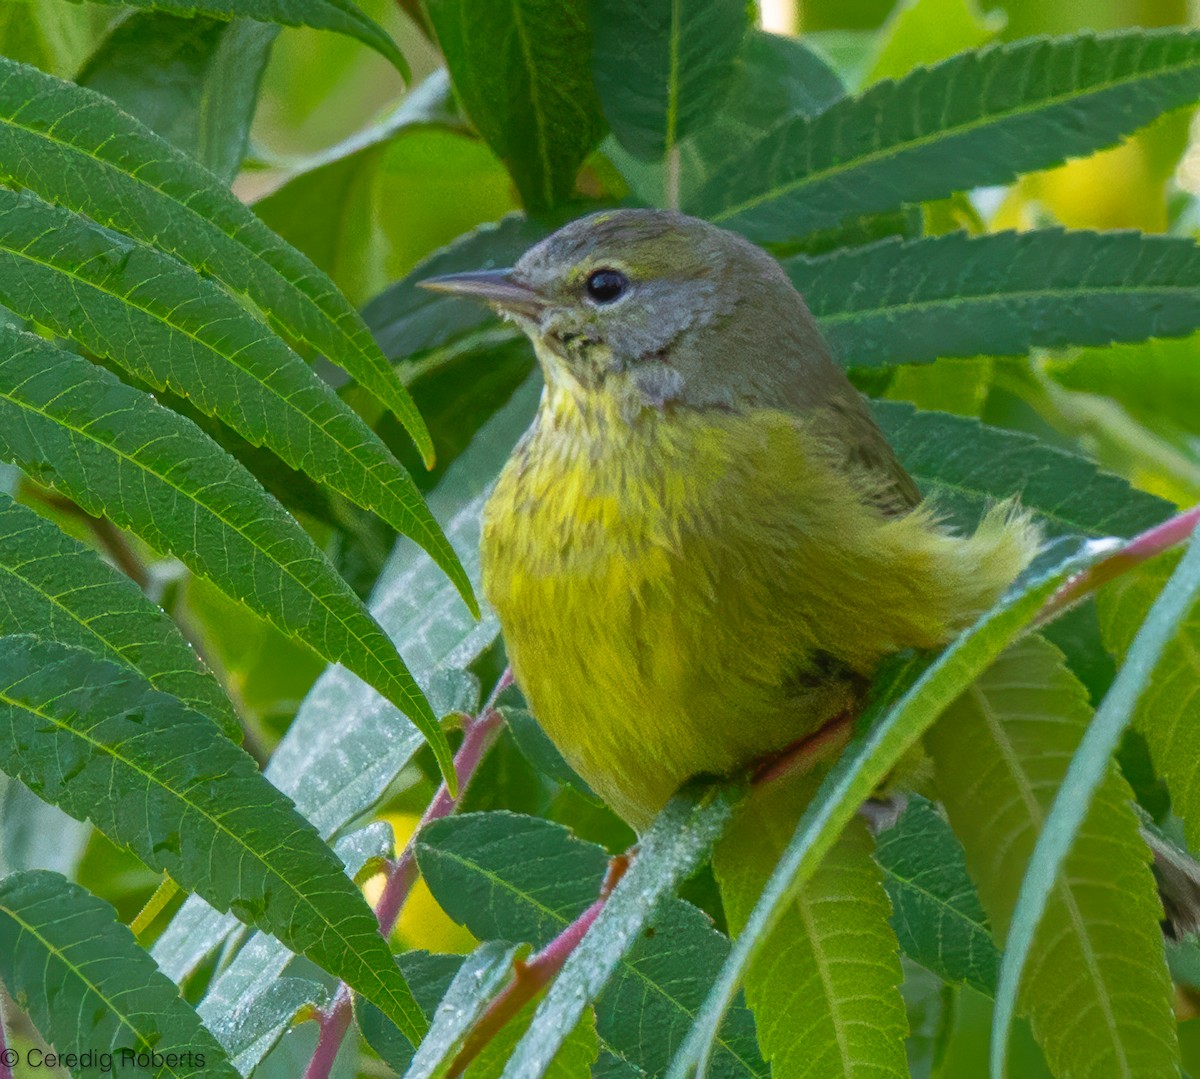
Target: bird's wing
(868, 457)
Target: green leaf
(672, 847)
(37, 835)
(662, 67)
(967, 467)
(1098, 993)
(523, 878)
(1165, 712)
(509, 877)
(175, 330)
(922, 32)
(1154, 380)
(341, 16)
(521, 73)
(978, 118)
(1002, 294)
(890, 731)
(346, 745)
(935, 909)
(89, 987)
(54, 587)
(192, 80)
(481, 976)
(160, 779)
(825, 987)
(576, 1057)
(115, 451)
(75, 148)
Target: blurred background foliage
(368, 179)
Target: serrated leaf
(145, 769)
(662, 67)
(192, 80)
(967, 467)
(521, 73)
(935, 909)
(54, 587)
(978, 118)
(1098, 993)
(115, 451)
(346, 745)
(1001, 294)
(669, 851)
(825, 988)
(175, 330)
(87, 984)
(889, 731)
(341, 16)
(75, 148)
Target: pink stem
(1140, 549)
(401, 873)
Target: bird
(703, 547)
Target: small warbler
(703, 546)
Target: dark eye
(604, 286)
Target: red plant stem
(1141, 548)
(530, 978)
(401, 873)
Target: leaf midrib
(561, 922)
(215, 822)
(54, 950)
(1034, 810)
(920, 141)
(284, 567)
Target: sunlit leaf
(1096, 989)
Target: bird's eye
(605, 286)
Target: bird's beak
(496, 287)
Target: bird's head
(646, 305)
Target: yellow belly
(674, 591)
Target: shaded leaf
(935, 908)
(87, 984)
(825, 988)
(115, 451)
(1001, 294)
(192, 80)
(662, 67)
(967, 467)
(74, 147)
(977, 118)
(175, 330)
(143, 768)
(342, 16)
(922, 32)
(520, 71)
(1097, 992)
(54, 587)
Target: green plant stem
(401, 873)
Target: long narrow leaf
(1087, 770)
(115, 451)
(53, 587)
(90, 988)
(96, 740)
(74, 147)
(176, 330)
(342, 16)
(1002, 294)
(858, 772)
(978, 118)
